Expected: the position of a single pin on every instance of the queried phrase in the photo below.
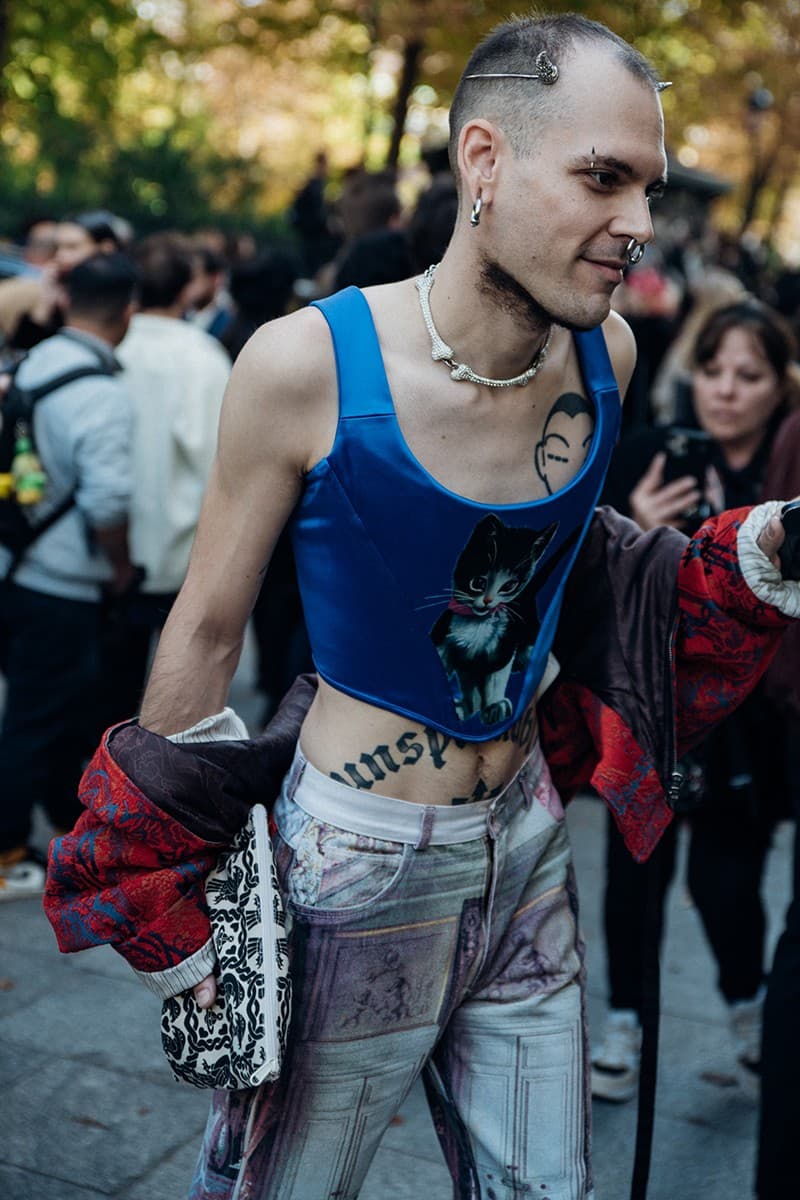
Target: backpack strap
(37, 531)
(32, 396)
(52, 385)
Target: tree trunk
(371, 22)
(408, 77)
(759, 177)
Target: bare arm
(278, 418)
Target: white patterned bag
(239, 1042)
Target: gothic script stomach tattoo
(414, 759)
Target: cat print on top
(490, 622)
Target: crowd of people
(167, 314)
(135, 339)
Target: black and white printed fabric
(239, 1042)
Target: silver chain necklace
(441, 352)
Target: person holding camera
(743, 388)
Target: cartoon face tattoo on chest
(566, 438)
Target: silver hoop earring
(634, 252)
(475, 216)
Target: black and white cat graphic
(486, 628)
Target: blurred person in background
(176, 375)
(19, 294)
(50, 608)
(209, 303)
(671, 393)
(649, 299)
(368, 204)
(432, 222)
(375, 258)
(310, 218)
(76, 238)
(743, 388)
(261, 289)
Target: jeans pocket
(332, 870)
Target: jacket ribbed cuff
(764, 579)
(182, 976)
(225, 726)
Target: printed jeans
(426, 939)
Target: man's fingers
(205, 992)
(770, 540)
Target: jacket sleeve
(132, 872)
(131, 876)
(726, 635)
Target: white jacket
(176, 376)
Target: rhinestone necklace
(441, 352)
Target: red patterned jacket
(659, 639)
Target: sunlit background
(191, 111)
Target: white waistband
(374, 815)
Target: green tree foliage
(181, 111)
(99, 107)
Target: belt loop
(425, 828)
(296, 773)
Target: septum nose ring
(634, 252)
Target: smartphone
(689, 452)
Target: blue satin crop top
(419, 600)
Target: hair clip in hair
(545, 68)
(546, 71)
(662, 87)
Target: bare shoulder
(283, 390)
(621, 349)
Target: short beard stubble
(508, 294)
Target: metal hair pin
(546, 71)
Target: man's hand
(770, 540)
(205, 992)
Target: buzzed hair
(517, 105)
(101, 287)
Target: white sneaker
(615, 1061)
(22, 874)
(745, 1018)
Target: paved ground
(88, 1107)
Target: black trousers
(128, 628)
(747, 784)
(725, 872)
(780, 1054)
(49, 655)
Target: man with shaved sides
(485, 643)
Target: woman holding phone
(743, 388)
